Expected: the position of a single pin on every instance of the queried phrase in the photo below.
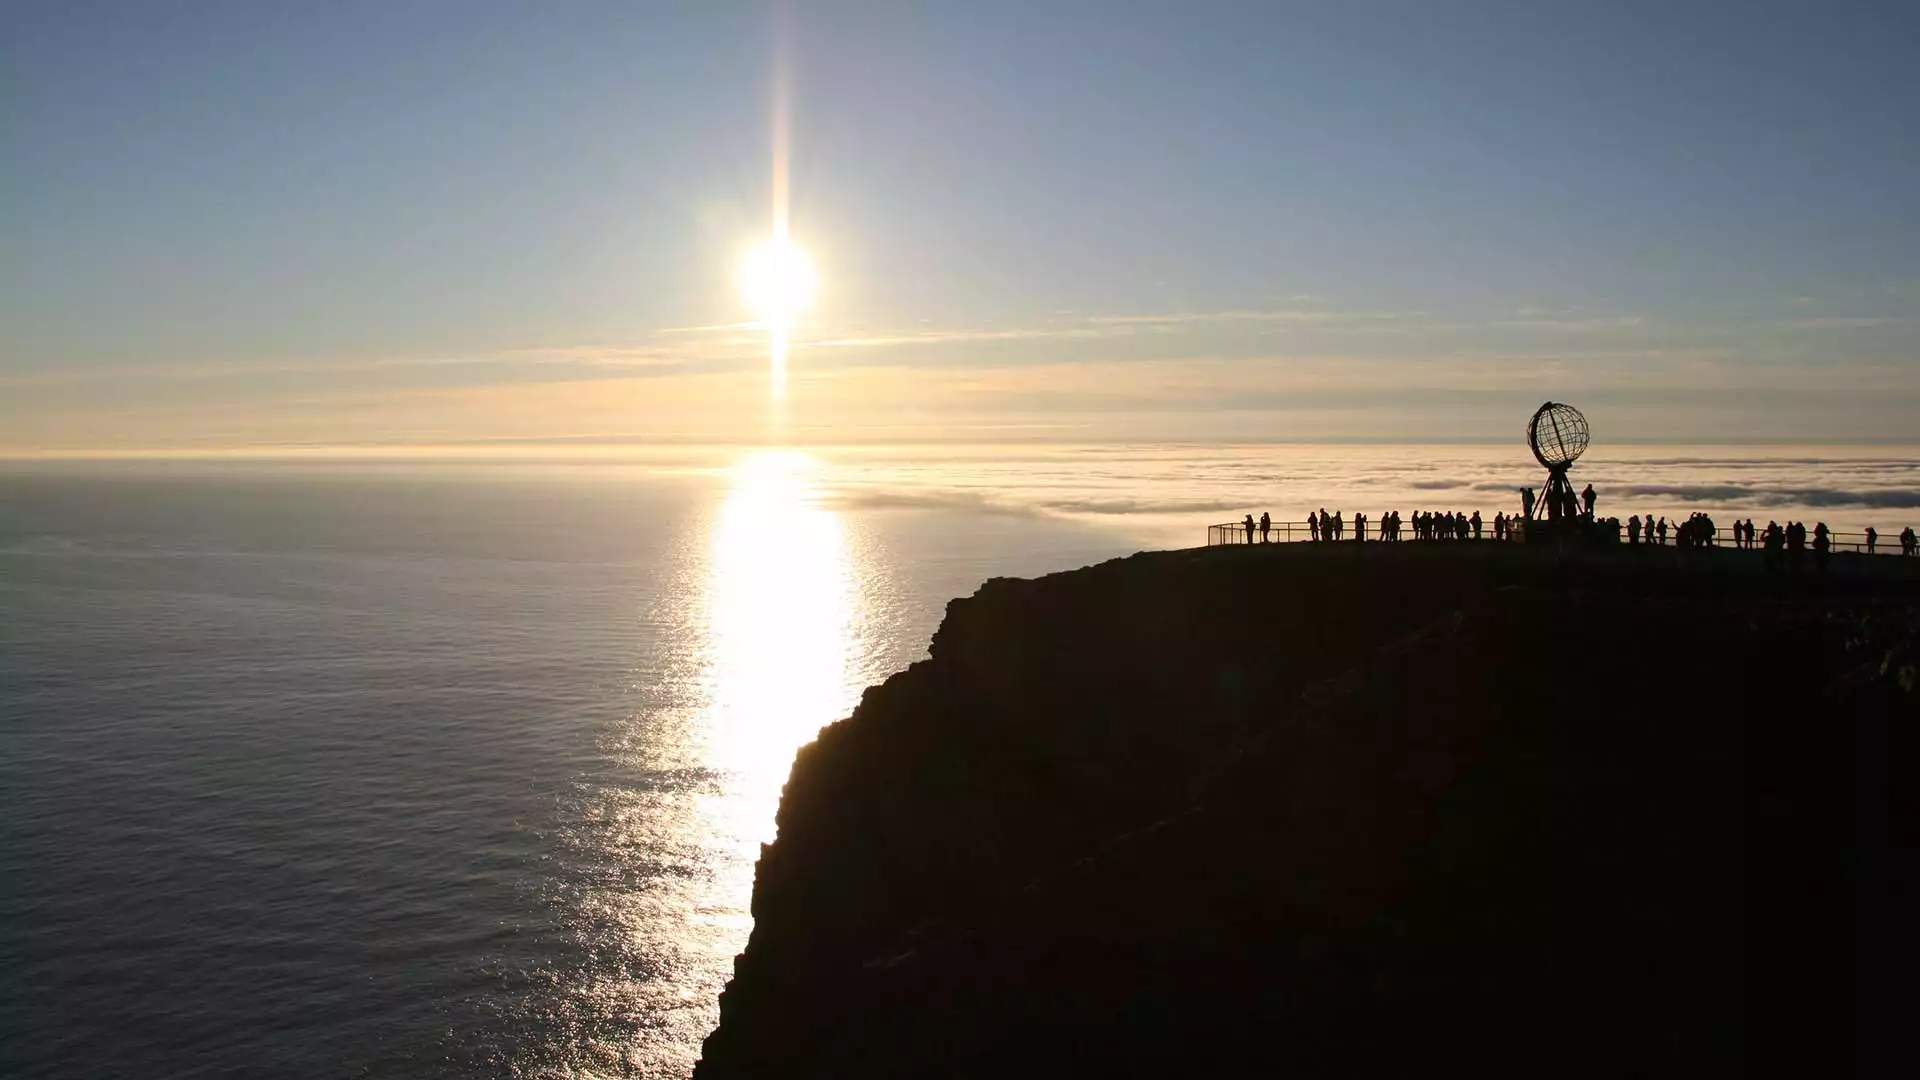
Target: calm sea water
(461, 770)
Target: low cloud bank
(1801, 496)
(959, 501)
(1849, 463)
(979, 503)
(1139, 506)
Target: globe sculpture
(1557, 435)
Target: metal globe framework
(1557, 434)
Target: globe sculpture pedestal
(1557, 435)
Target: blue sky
(277, 224)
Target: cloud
(1850, 463)
(1302, 369)
(968, 501)
(1245, 316)
(977, 502)
(1069, 326)
(944, 337)
(712, 328)
(1686, 492)
(1844, 322)
(608, 356)
(1139, 506)
(1886, 498)
(114, 373)
(1573, 326)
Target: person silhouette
(1313, 526)
(1266, 526)
(1249, 526)
(1476, 525)
(1633, 530)
(1587, 498)
(1526, 502)
(1872, 537)
(1360, 528)
(1662, 529)
(1326, 525)
(1908, 541)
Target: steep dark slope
(1342, 811)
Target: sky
(256, 226)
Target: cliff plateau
(1355, 810)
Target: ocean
(459, 767)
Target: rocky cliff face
(1329, 810)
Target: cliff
(1320, 809)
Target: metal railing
(1289, 532)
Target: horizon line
(521, 451)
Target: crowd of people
(1697, 531)
(1427, 525)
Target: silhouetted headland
(1368, 810)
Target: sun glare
(777, 281)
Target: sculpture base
(1577, 530)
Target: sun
(777, 281)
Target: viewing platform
(1290, 532)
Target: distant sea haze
(460, 770)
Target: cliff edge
(1346, 810)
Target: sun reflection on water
(659, 870)
(779, 621)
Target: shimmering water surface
(461, 770)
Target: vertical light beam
(781, 129)
(777, 329)
(777, 363)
